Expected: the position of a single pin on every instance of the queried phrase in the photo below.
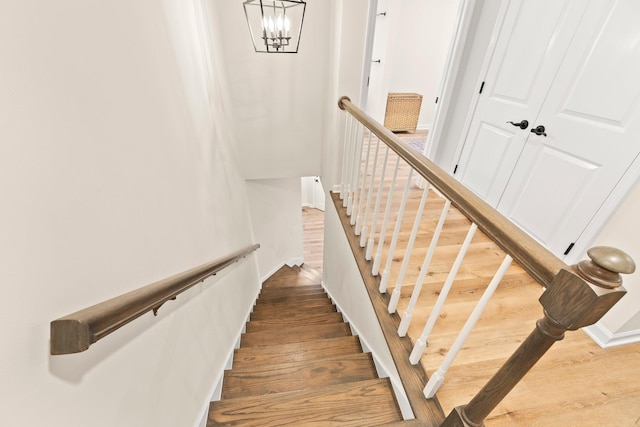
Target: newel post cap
(605, 266)
(581, 294)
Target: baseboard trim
(272, 272)
(381, 368)
(423, 127)
(216, 389)
(606, 339)
(295, 262)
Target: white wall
(276, 217)
(116, 170)
(277, 100)
(622, 232)
(443, 150)
(422, 37)
(347, 35)
(344, 283)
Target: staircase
(298, 364)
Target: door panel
(523, 67)
(592, 119)
(489, 141)
(558, 178)
(532, 42)
(614, 54)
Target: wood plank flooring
(312, 237)
(576, 383)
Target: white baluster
(374, 223)
(357, 180)
(408, 314)
(436, 380)
(345, 141)
(356, 158)
(364, 181)
(385, 221)
(421, 343)
(396, 231)
(349, 170)
(363, 230)
(395, 295)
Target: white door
(379, 73)
(592, 120)
(318, 194)
(533, 40)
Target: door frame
(611, 203)
(450, 75)
(484, 69)
(368, 52)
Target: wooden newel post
(578, 296)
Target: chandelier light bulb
(287, 24)
(271, 25)
(279, 22)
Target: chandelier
(275, 26)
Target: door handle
(539, 130)
(522, 125)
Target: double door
(558, 121)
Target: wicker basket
(402, 112)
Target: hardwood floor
(312, 236)
(576, 384)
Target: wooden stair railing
(574, 297)
(77, 331)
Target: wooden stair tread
(297, 334)
(261, 312)
(286, 299)
(257, 380)
(300, 351)
(293, 304)
(294, 290)
(288, 277)
(279, 323)
(333, 405)
(284, 273)
(310, 272)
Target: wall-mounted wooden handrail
(538, 261)
(76, 332)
